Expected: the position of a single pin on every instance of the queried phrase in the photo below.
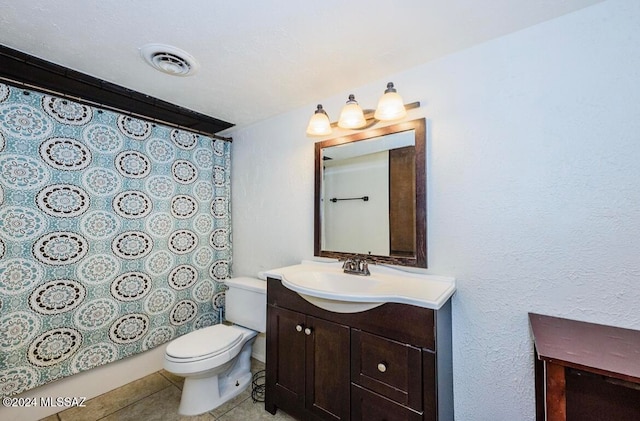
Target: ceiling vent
(170, 60)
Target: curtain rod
(108, 107)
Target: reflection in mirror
(370, 195)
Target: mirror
(370, 195)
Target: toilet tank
(246, 303)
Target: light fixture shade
(319, 124)
(390, 106)
(351, 116)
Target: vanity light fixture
(390, 107)
(319, 124)
(351, 116)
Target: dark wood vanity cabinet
(389, 363)
(311, 364)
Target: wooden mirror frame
(420, 258)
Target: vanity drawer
(369, 406)
(387, 367)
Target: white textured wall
(533, 190)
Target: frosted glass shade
(319, 124)
(390, 106)
(351, 116)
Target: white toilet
(216, 360)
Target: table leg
(556, 392)
(539, 385)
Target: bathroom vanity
(389, 362)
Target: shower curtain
(115, 235)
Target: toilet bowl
(216, 360)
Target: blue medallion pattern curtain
(115, 236)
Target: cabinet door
(285, 359)
(328, 380)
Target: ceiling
(260, 58)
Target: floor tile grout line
(136, 401)
(170, 383)
(227, 411)
(169, 380)
(113, 390)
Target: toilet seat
(204, 343)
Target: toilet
(216, 360)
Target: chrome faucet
(356, 265)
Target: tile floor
(156, 398)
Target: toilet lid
(209, 341)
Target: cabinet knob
(307, 331)
(299, 328)
(382, 367)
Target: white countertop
(326, 282)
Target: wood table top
(606, 350)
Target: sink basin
(327, 286)
(336, 282)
